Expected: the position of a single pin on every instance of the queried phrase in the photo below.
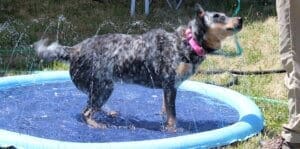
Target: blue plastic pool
(43, 111)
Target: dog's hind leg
(169, 103)
(99, 93)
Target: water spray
(61, 18)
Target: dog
(157, 59)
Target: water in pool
(53, 110)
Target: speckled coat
(156, 59)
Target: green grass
(26, 22)
(260, 42)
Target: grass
(24, 23)
(260, 42)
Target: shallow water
(53, 111)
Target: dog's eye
(219, 18)
(216, 16)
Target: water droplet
(44, 116)
(154, 96)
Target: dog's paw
(87, 117)
(112, 114)
(172, 129)
(109, 112)
(92, 123)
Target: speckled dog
(157, 58)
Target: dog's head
(210, 28)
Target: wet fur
(156, 59)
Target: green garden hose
(239, 49)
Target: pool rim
(250, 121)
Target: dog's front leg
(169, 103)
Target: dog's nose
(240, 19)
(240, 23)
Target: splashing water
(16, 53)
(3, 26)
(152, 81)
(107, 23)
(26, 107)
(61, 19)
(13, 52)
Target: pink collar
(198, 49)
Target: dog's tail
(51, 52)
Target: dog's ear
(199, 10)
(198, 26)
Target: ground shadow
(185, 126)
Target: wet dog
(157, 59)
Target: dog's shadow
(186, 126)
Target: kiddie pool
(210, 116)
